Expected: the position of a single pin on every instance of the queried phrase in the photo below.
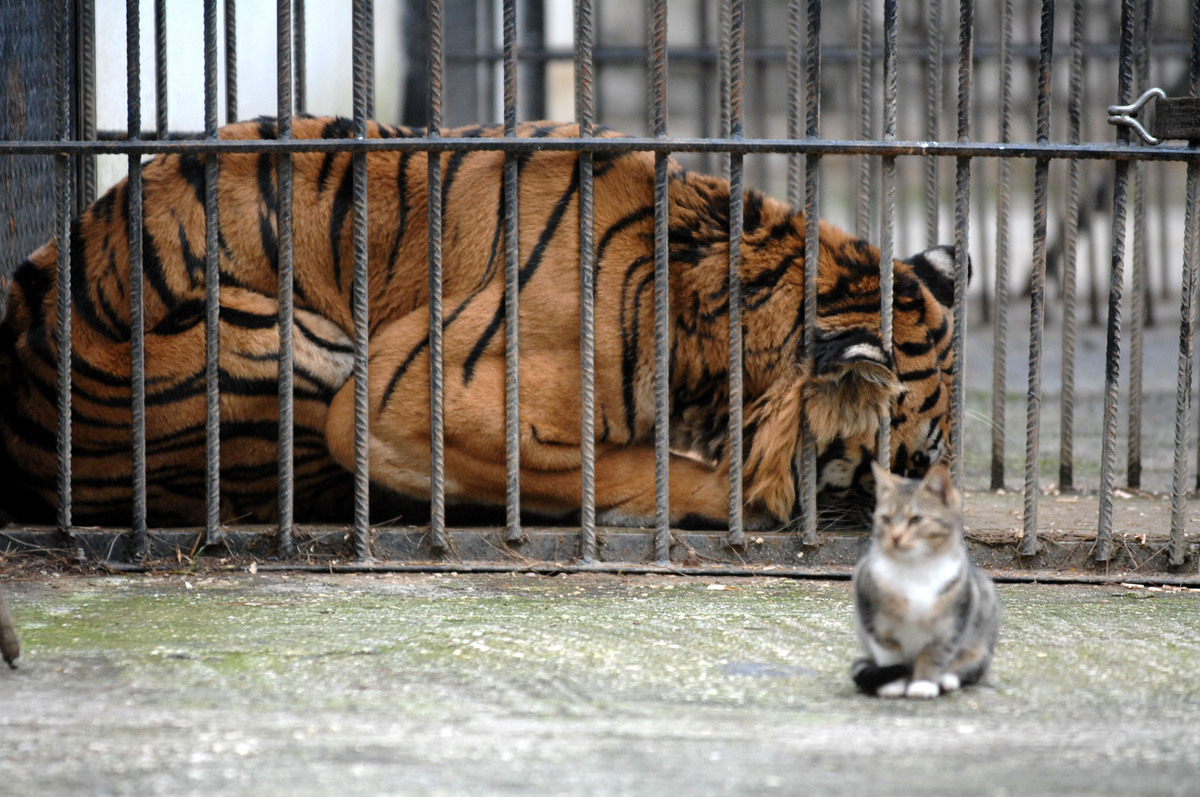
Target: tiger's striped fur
(853, 381)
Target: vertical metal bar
(437, 454)
(1176, 550)
(662, 352)
(1037, 301)
(1116, 291)
(1187, 333)
(862, 200)
(1066, 465)
(812, 248)
(160, 67)
(587, 282)
(369, 45)
(301, 55)
(212, 284)
(360, 303)
(724, 51)
(962, 220)
(85, 192)
(1139, 295)
(62, 228)
(887, 215)
(712, 162)
(737, 36)
(512, 285)
(933, 113)
(794, 79)
(285, 270)
(137, 329)
(1003, 193)
(1165, 248)
(231, 77)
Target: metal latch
(1166, 118)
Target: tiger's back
(172, 246)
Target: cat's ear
(940, 484)
(884, 480)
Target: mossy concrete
(580, 684)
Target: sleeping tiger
(853, 380)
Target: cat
(10, 648)
(927, 618)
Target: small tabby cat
(927, 617)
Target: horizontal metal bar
(1177, 48)
(945, 149)
(551, 549)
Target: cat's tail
(869, 676)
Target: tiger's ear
(852, 384)
(936, 268)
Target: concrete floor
(204, 683)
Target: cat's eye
(915, 520)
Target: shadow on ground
(581, 684)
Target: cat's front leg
(930, 675)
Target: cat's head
(916, 518)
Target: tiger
(840, 393)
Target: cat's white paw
(949, 682)
(894, 689)
(921, 690)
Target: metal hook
(1125, 115)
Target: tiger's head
(854, 379)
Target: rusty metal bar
(587, 281)
(657, 34)
(62, 230)
(109, 143)
(812, 247)
(437, 425)
(212, 286)
(737, 42)
(300, 47)
(160, 66)
(85, 168)
(1116, 291)
(962, 219)
(1066, 466)
(137, 327)
(1139, 292)
(933, 114)
(512, 286)
(1037, 300)
(285, 270)
(794, 78)
(887, 215)
(865, 66)
(360, 301)
(1003, 195)
(1177, 551)
(231, 76)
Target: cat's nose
(897, 538)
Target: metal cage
(841, 108)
